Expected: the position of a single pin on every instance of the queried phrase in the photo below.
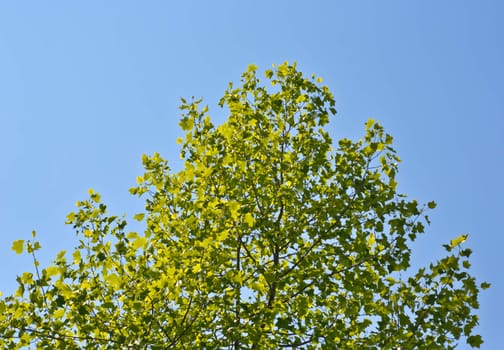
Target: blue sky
(87, 87)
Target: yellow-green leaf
(52, 271)
(139, 242)
(197, 268)
(17, 246)
(76, 257)
(226, 131)
(457, 241)
(70, 217)
(139, 217)
(222, 235)
(234, 207)
(371, 240)
(301, 99)
(59, 313)
(131, 235)
(186, 123)
(114, 281)
(27, 277)
(248, 219)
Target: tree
(269, 237)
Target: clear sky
(87, 87)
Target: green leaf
(475, 341)
(283, 323)
(485, 285)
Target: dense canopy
(271, 236)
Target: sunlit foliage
(271, 236)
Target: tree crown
(270, 236)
